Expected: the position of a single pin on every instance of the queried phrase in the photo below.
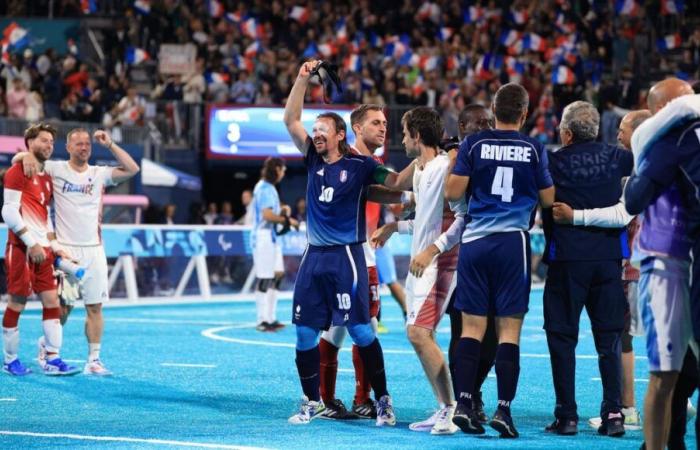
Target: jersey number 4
(326, 194)
(503, 183)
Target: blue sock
(309, 366)
(373, 359)
(507, 373)
(466, 364)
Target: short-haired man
(78, 196)
(267, 250)
(436, 231)
(665, 188)
(584, 267)
(473, 119)
(332, 284)
(29, 257)
(507, 175)
(617, 217)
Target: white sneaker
(96, 368)
(308, 411)
(425, 425)
(41, 355)
(633, 420)
(444, 423)
(692, 412)
(385, 412)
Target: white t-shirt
(428, 189)
(78, 201)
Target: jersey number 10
(326, 194)
(503, 183)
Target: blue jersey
(264, 196)
(506, 171)
(335, 198)
(676, 156)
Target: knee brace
(307, 338)
(362, 334)
(264, 284)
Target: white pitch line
(211, 334)
(346, 370)
(204, 366)
(641, 380)
(81, 437)
(8, 399)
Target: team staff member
(585, 266)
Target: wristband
(27, 238)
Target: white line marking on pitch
(81, 437)
(204, 366)
(211, 334)
(641, 380)
(346, 370)
(8, 399)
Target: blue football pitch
(200, 376)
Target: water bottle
(70, 267)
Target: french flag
(534, 42)
(483, 66)
(672, 7)
(253, 49)
(428, 63)
(444, 33)
(142, 7)
(563, 75)
(669, 42)
(429, 11)
(252, 29)
(513, 66)
(243, 63)
(135, 55)
(327, 49)
(300, 14)
(216, 77)
(395, 49)
(88, 6)
(234, 17)
(375, 40)
(509, 37)
(407, 58)
(563, 26)
(16, 36)
(353, 63)
(519, 17)
(473, 14)
(4, 53)
(418, 87)
(626, 7)
(341, 31)
(215, 8)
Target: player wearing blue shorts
(507, 174)
(332, 283)
(667, 188)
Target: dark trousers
(685, 387)
(597, 286)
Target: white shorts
(427, 297)
(664, 303)
(267, 255)
(94, 287)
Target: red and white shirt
(36, 193)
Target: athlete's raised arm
(295, 103)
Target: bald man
(665, 188)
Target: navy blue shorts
(571, 285)
(493, 275)
(332, 287)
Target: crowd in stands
(441, 53)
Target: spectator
(243, 90)
(194, 85)
(35, 107)
(246, 202)
(169, 214)
(17, 99)
(212, 214)
(226, 215)
(130, 109)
